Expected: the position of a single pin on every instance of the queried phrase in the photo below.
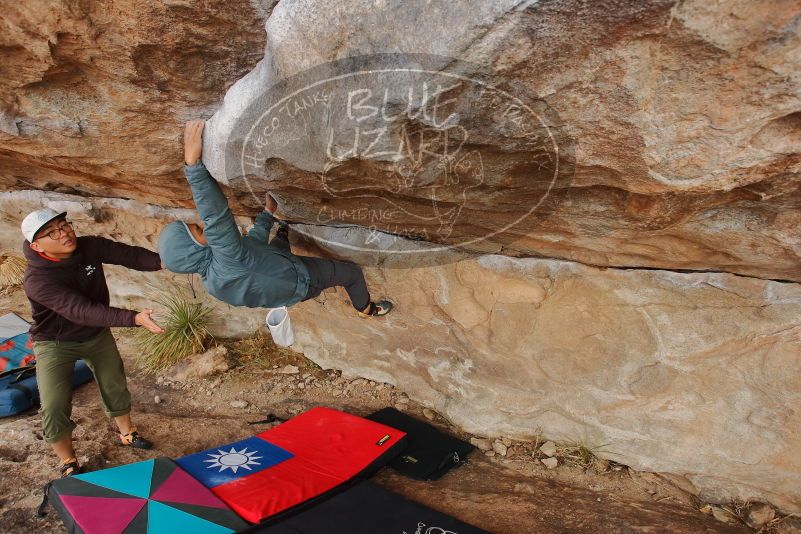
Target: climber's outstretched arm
(220, 228)
(265, 220)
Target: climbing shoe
(282, 232)
(377, 309)
(133, 439)
(70, 467)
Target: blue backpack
(18, 389)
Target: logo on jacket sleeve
(90, 270)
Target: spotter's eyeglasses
(63, 228)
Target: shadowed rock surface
(685, 116)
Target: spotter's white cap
(35, 220)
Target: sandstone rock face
(683, 121)
(93, 94)
(693, 374)
(688, 373)
(679, 126)
(684, 118)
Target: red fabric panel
(181, 488)
(336, 442)
(330, 448)
(273, 490)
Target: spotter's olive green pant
(55, 361)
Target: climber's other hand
(193, 141)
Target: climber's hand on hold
(193, 141)
(270, 204)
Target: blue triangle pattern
(163, 519)
(132, 479)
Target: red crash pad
(294, 462)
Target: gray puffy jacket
(242, 271)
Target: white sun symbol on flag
(233, 459)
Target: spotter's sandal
(377, 309)
(133, 439)
(70, 467)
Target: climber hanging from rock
(249, 271)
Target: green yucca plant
(12, 269)
(185, 322)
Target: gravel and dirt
(504, 490)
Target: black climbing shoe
(282, 232)
(377, 309)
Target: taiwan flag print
(233, 462)
(298, 460)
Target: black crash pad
(368, 508)
(430, 453)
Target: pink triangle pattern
(181, 488)
(106, 515)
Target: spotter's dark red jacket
(69, 298)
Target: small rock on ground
(550, 463)
(499, 447)
(239, 404)
(759, 515)
(214, 360)
(722, 515)
(548, 448)
(483, 444)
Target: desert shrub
(185, 321)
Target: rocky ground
(505, 487)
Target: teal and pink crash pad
(150, 497)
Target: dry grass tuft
(260, 352)
(582, 456)
(12, 269)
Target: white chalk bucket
(280, 326)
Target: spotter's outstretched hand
(143, 319)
